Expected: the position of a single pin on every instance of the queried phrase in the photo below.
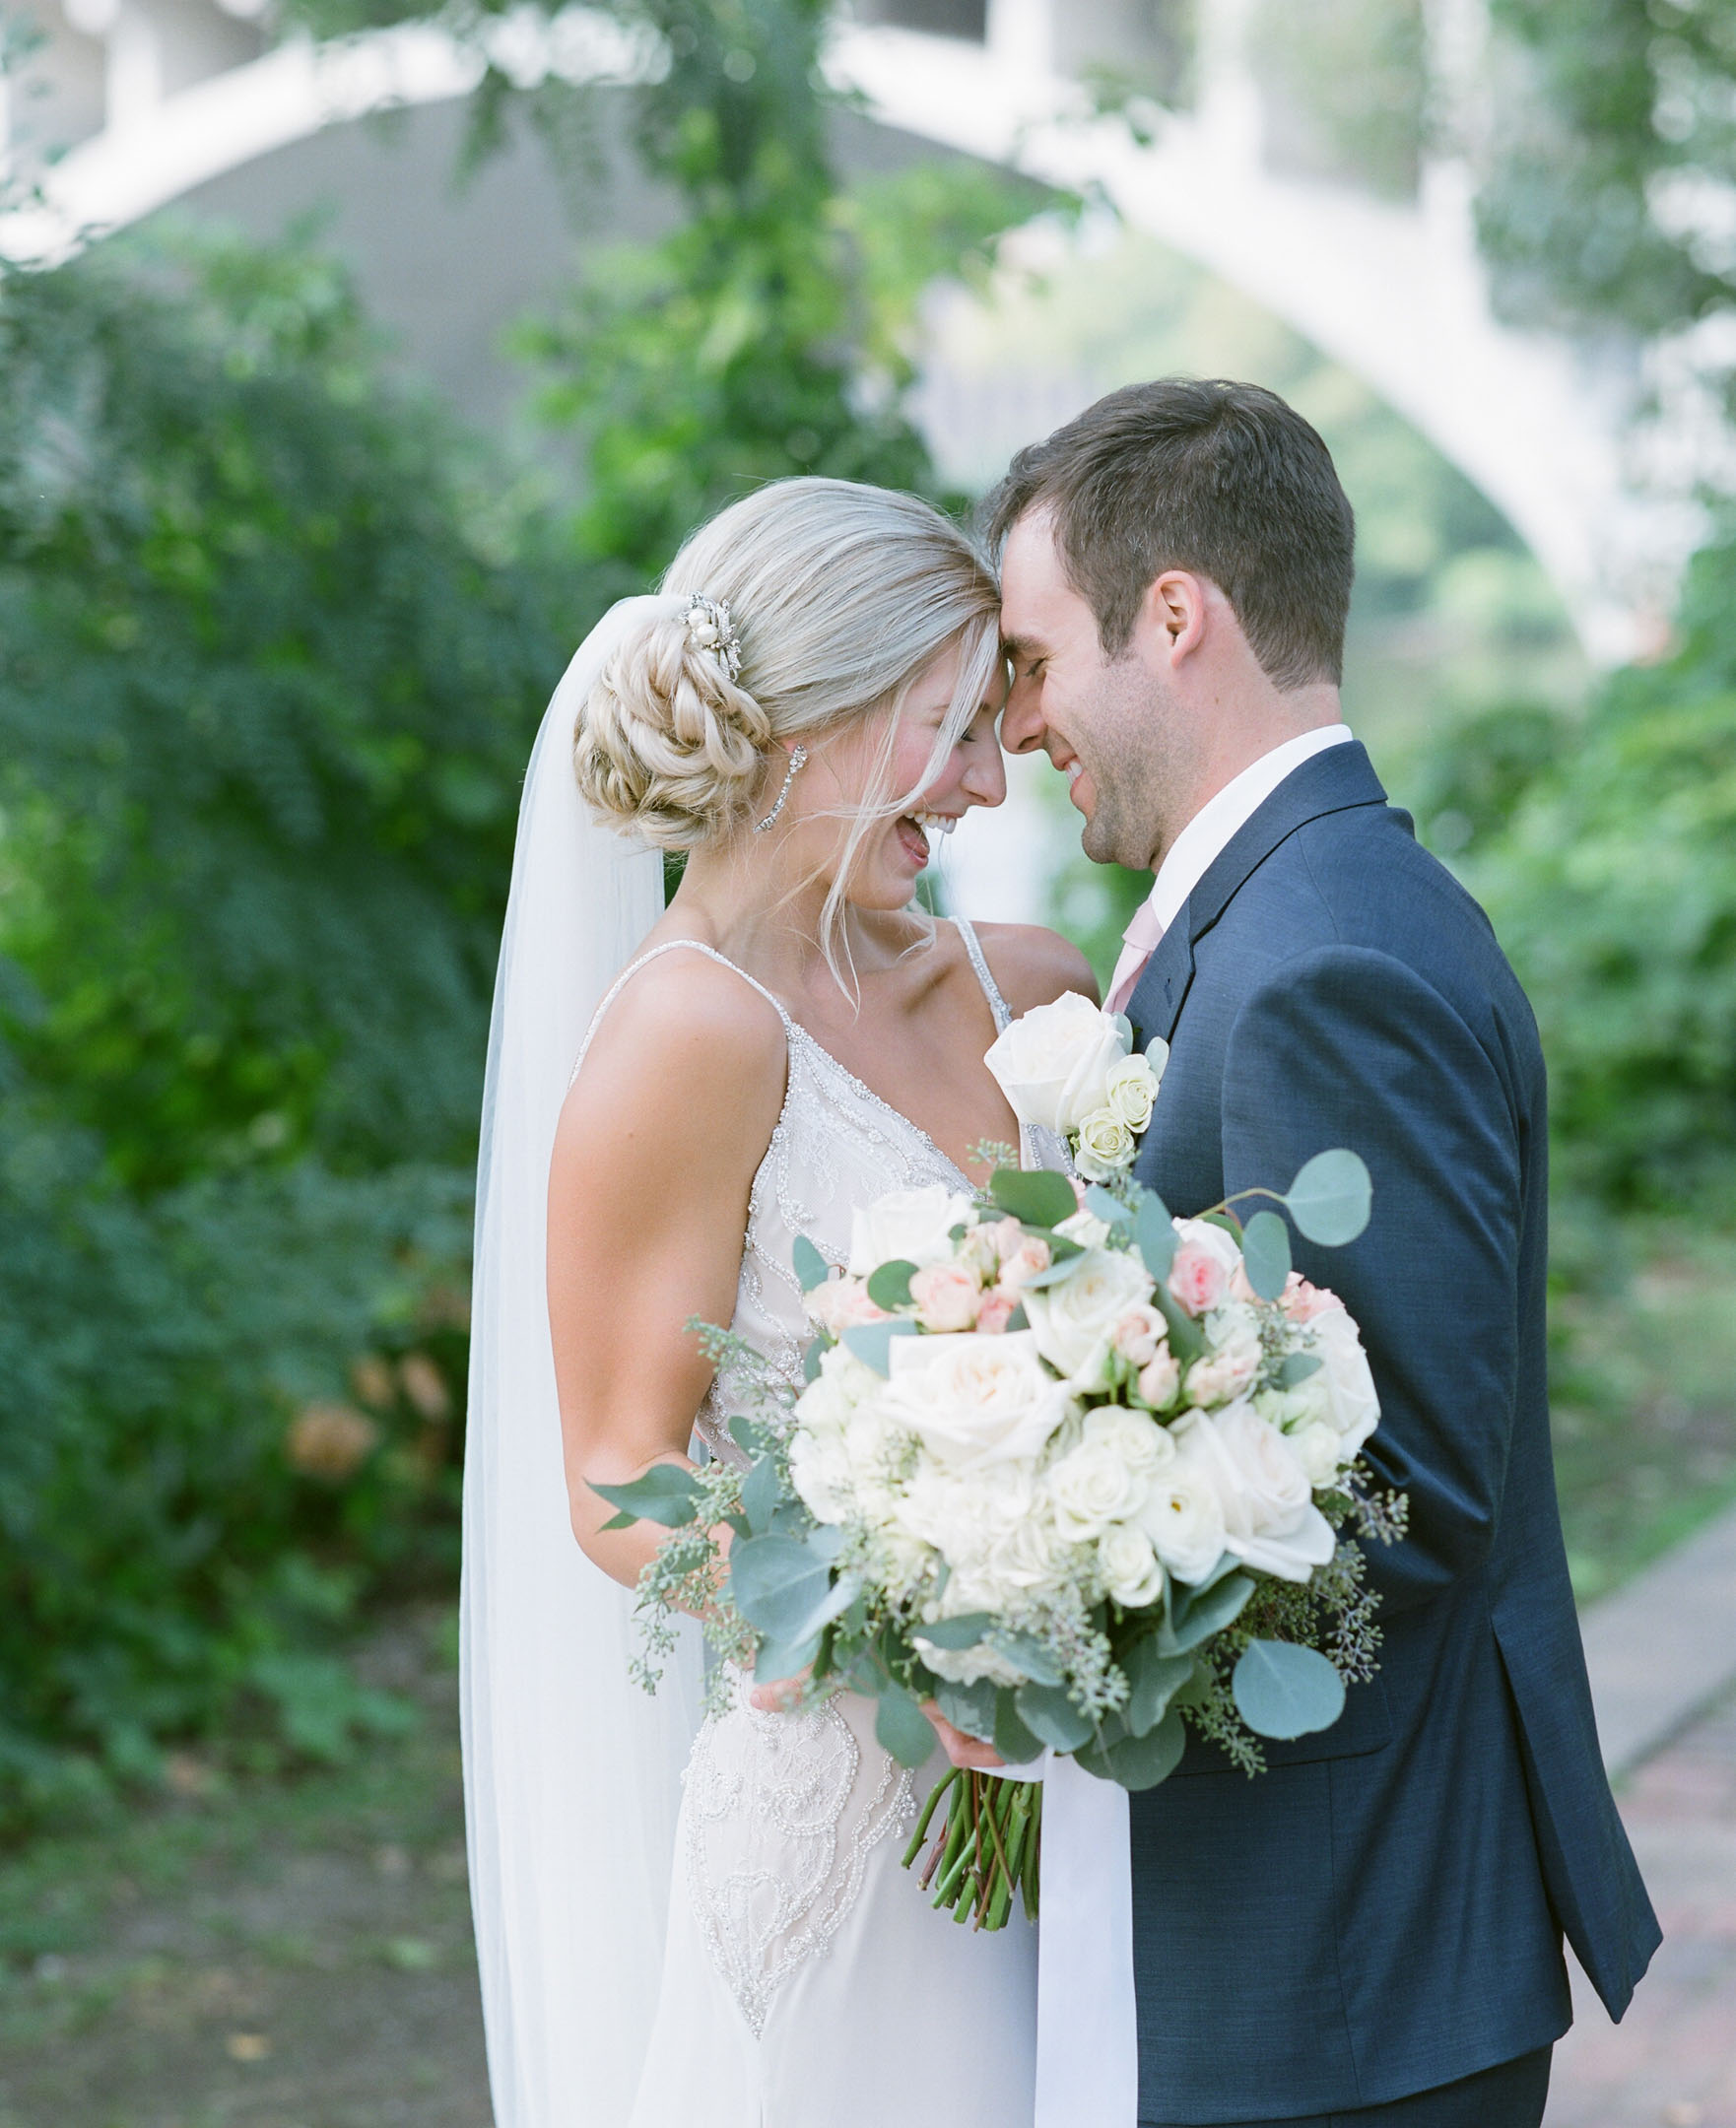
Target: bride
(809, 704)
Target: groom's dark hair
(1221, 479)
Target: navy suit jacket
(1381, 1911)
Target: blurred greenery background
(275, 633)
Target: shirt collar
(1217, 820)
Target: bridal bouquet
(1078, 1472)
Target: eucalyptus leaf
(1284, 1691)
(1295, 1367)
(665, 1494)
(1108, 1209)
(1265, 1254)
(1154, 1234)
(761, 1490)
(970, 1708)
(1329, 1199)
(1048, 1712)
(870, 1342)
(955, 1633)
(1186, 1341)
(1015, 1743)
(1156, 1679)
(747, 1433)
(1039, 1196)
(1029, 1654)
(810, 1267)
(1208, 1613)
(817, 1348)
(780, 1659)
(902, 1726)
(1142, 1761)
(782, 1586)
(1019, 1320)
(889, 1284)
(827, 1541)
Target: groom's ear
(1175, 613)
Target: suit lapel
(1331, 782)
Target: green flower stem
(939, 1789)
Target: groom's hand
(962, 1750)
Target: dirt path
(298, 1957)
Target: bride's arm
(656, 1149)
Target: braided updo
(840, 595)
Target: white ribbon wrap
(1086, 2032)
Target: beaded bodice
(836, 1145)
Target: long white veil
(572, 1772)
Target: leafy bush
(1613, 887)
(270, 659)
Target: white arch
(1397, 293)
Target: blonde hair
(841, 595)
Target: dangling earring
(797, 762)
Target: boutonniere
(1073, 1070)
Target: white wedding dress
(807, 1981)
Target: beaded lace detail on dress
(782, 1811)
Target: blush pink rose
(1138, 1335)
(996, 1311)
(1197, 1278)
(1030, 1257)
(1302, 1303)
(1158, 1380)
(840, 1304)
(947, 1297)
(1008, 1236)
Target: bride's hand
(782, 1697)
(962, 1750)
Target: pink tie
(1140, 942)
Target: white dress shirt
(1211, 828)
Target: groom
(1371, 1933)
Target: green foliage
(770, 333)
(1616, 112)
(1613, 887)
(268, 671)
(267, 676)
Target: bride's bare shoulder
(1032, 965)
(687, 1046)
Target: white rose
(1130, 1090)
(974, 1399)
(1133, 1573)
(1085, 1229)
(1105, 1146)
(1053, 1062)
(1026, 1556)
(1269, 1514)
(1183, 1516)
(1075, 1321)
(1092, 1486)
(910, 1225)
(1352, 1404)
(1316, 1447)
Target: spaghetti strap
(991, 990)
(633, 967)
